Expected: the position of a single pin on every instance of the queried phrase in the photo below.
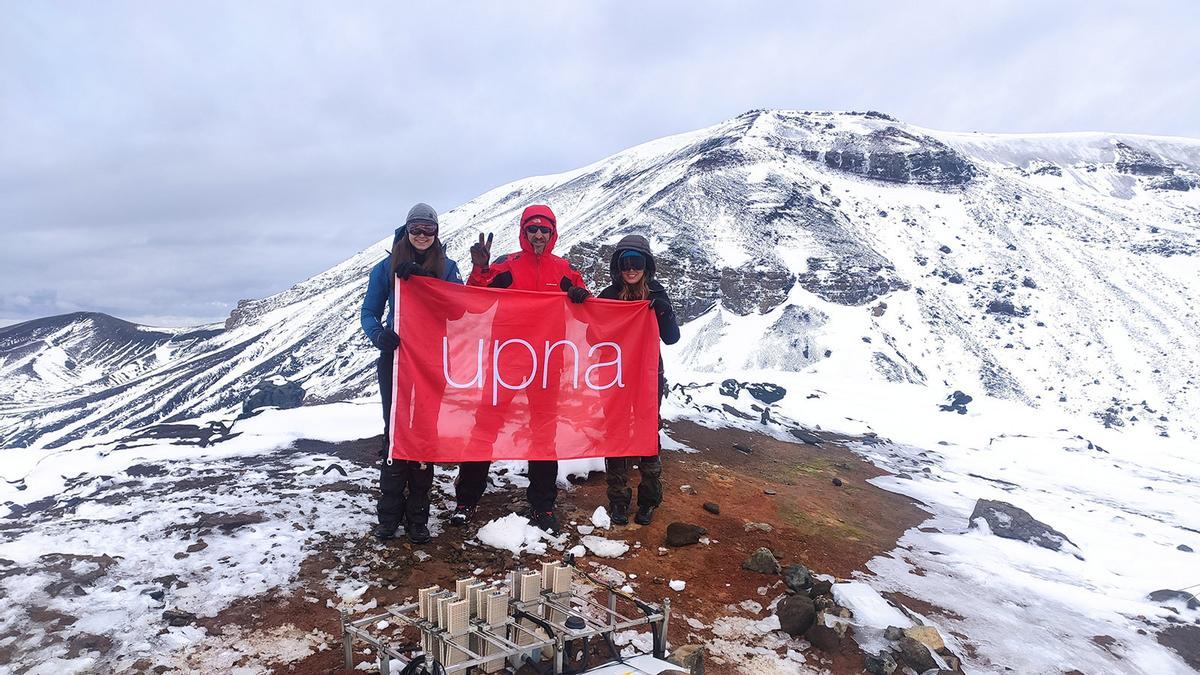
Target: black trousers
(542, 492)
(395, 507)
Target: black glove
(578, 294)
(387, 340)
(410, 269)
(660, 306)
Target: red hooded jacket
(526, 270)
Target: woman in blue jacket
(416, 250)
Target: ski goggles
(535, 229)
(423, 230)
(632, 260)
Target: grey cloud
(165, 160)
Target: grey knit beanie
(421, 213)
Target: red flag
(484, 373)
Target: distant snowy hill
(1054, 270)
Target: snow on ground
(115, 530)
(98, 576)
(514, 533)
(96, 544)
(111, 534)
(604, 548)
(601, 519)
(35, 473)
(755, 646)
(1126, 498)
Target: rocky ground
(240, 561)
(808, 504)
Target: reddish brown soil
(830, 529)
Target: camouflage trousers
(650, 489)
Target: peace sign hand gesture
(481, 251)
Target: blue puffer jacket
(378, 301)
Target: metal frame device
(538, 621)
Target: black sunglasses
(534, 229)
(633, 262)
(423, 230)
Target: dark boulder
(916, 655)
(684, 534)
(820, 587)
(765, 392)
(730, 388)
(796, 615)
(956, 402)
(1007, 308)
(880, 664)
(805, 436)
(713, 508)
(1011, 522)
(1175, 597)
(177, 618)
(797, 578)
(823, 637)
(274, 393)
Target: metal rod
(661, 652)
(558, 654)
(347, 641)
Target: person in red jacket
(533, 268)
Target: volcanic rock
(1011, 522)
(762, 561)
(956, 402)
(797, 578)
(684, 534)
(177, 618)
(916, 654)
(796, 615)
(275, 393)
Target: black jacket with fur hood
(668, 326)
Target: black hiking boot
(545, 520)
(618, 513)
(384, 531)
(462, 515)
(645, 514)
(418, 533)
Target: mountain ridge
(820, 230)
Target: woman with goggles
(632, 271)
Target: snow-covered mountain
(1055, 270)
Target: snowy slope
(1053, 270)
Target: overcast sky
(161, 160)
